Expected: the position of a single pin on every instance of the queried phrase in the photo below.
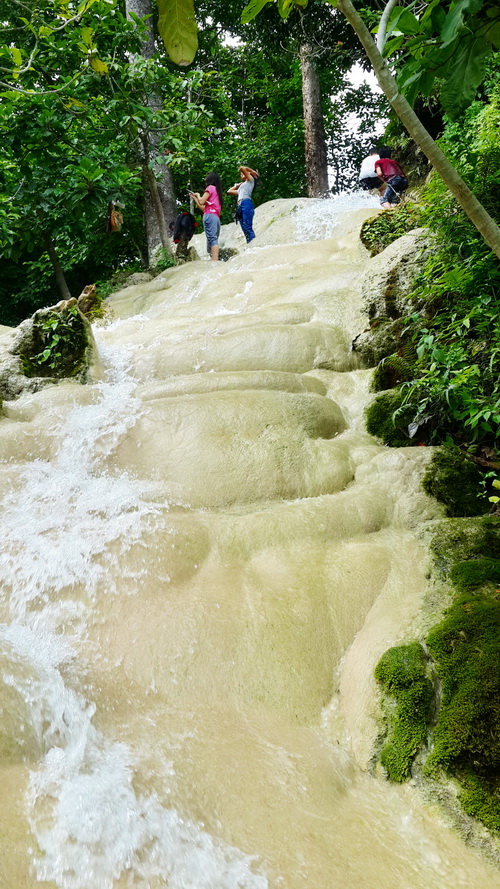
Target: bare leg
(214, 252)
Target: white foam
(90, 825)
(318, 219)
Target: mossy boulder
(460, 658)
(56, 343)
(402, 673)
(381, 230)
(381, 339)
(53, 344)
(459, 540)
(388, 419)
(455, 480)
(390, 372)
(465, 648)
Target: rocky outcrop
(55, 343)
(388, 293)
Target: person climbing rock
(391, 173)
(210, 202)
(367, 178)
(245, 209)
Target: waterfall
(203, 556)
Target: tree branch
(382, 28)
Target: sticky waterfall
(203, 556)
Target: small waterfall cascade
(203, 555)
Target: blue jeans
(395, 185)
(246, 218)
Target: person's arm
(200, 201)
(248, 173)
(378, 170)
(234, 188)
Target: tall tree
(159, 193)
(314, 126)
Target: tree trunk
(56, 265)
(314, 129)
(485, 225)
(159, 195)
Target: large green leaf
(454, 21)
(177, 27)
(466, 73)
(253, 9)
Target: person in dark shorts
(394, 178)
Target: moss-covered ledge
(441, 693)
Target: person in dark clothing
(391, 173)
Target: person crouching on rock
(393, 176)
(245, 208)
(210, 202)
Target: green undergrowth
(451, 339)
(381, 230)
(458, 726)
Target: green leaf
(285, 7)
(16, 55)
(100, 67)
(466, 73)
(493, 35)
(454, 21)
(253, 9)
(177, 27)
(407, 23)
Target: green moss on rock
(402, 673)
(465, 647)
(475, 574)
(381, 230)
(457, 540)
(480, 798)
(386, 420)
(390, 372)
(455, 481)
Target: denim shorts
(211, 224)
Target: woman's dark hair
(214, 179)
(384, 151)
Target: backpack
(184, 227)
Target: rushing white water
(203, 556)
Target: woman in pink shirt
(210, 202)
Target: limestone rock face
(55, 343)
(138, 278)
(387, 293)
(387, 285)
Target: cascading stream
(203, 556)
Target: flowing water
(203, 555)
